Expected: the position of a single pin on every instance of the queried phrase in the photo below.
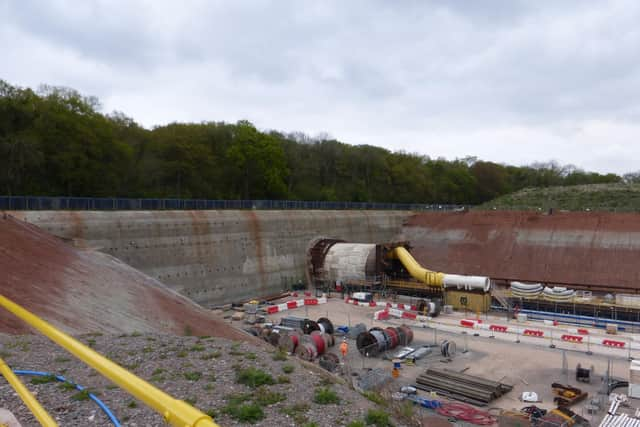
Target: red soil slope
(590, 250)
(86, 291)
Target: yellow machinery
(32, 403)
(175, 412)
(436, 279)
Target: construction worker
(344, 348)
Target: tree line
(56, 142)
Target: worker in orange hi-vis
(344, 347)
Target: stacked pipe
(377, 340)
(526, 290)
(463, 387)
(558, 293)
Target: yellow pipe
(431, 278)
(175, 412)
(32, 403)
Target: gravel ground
(202, 371)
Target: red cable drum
(318, 341)
(306, 351)
(393, 334)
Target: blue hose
(60, 378)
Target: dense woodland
(56, 142)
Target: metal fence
(105, 204)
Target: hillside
(82, 290)
(610, 197)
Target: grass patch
(67, 386)
(132, 404)
(191, 400)
(135, 334)
(310, 424)
(61, 359)
(375, 397)
(197, 347)
(280, 355)
(325, 396)
(239, 408)
(266, 397)
(246, 413)
(112, 387)
(188, 330)
(250, 356)
(147, 349)
(254, 377)
(212, 413)
(378, 418)
(213, 355)
(182, 353)
(297, 412)
(283, 379)
(157, 371)
(287, 369)
(326, 381)
(208, 387)
(356, 423)
(192, 376)
(81, 395)
(44, 379)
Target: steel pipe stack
(463, 387)
(292, 322)
(377, 340)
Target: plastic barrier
(533, 333)
(613, 343)
(290, 305)
(572, 338)
(498, 328)
(467, 323)
(583, 331)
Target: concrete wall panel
(219, 256)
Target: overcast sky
(506, 81)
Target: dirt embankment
(88, 291)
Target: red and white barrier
(293, 304)
(383, 304)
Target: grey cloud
(512, 81)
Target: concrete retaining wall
(220, 256)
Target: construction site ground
(530, 365)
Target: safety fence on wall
(93, 203)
